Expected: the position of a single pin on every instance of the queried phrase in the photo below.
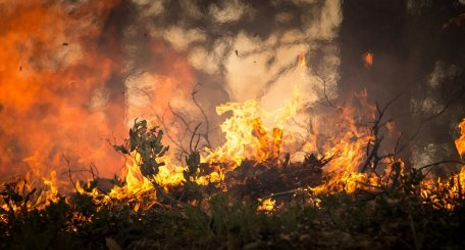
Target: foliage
(147, 144)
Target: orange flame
(368, 59)
(51, 79)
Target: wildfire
(33, 92)
(248, 136)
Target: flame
(266, 205)
(460, 142)
(135, 183)
(302, 62)
(35, 195)
(170, 174)
(368, 59)
(247, 137)
(451, 190)
(52, 78)
(51, 60)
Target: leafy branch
(147, 144)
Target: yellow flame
(136, 183)
(267, 205)
(460, 142)
(246, 135)
(249, 136)
(302, 62)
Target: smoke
(76, 74)
(226, 51)
(417, 49)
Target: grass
(395, 218)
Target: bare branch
(207, 122)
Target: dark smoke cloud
(419, 55)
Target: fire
(135, 181)
(266, 205)
(52, 78)
(460, 142)
(247, 137)
(50, 60)
(451, 189)
(368, 59)
(33, 195)
(302, 62)
(170, 174)
(135, 189)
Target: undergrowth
(392, 216)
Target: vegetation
(394, 215)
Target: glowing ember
(368, 59)
(266, 205)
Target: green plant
(147, 143)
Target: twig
(207, 123)
(292, 191)
(192, 139)
(440, 162)
(452, 100)
(324, 89)
(373, 157)
(69, 171)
